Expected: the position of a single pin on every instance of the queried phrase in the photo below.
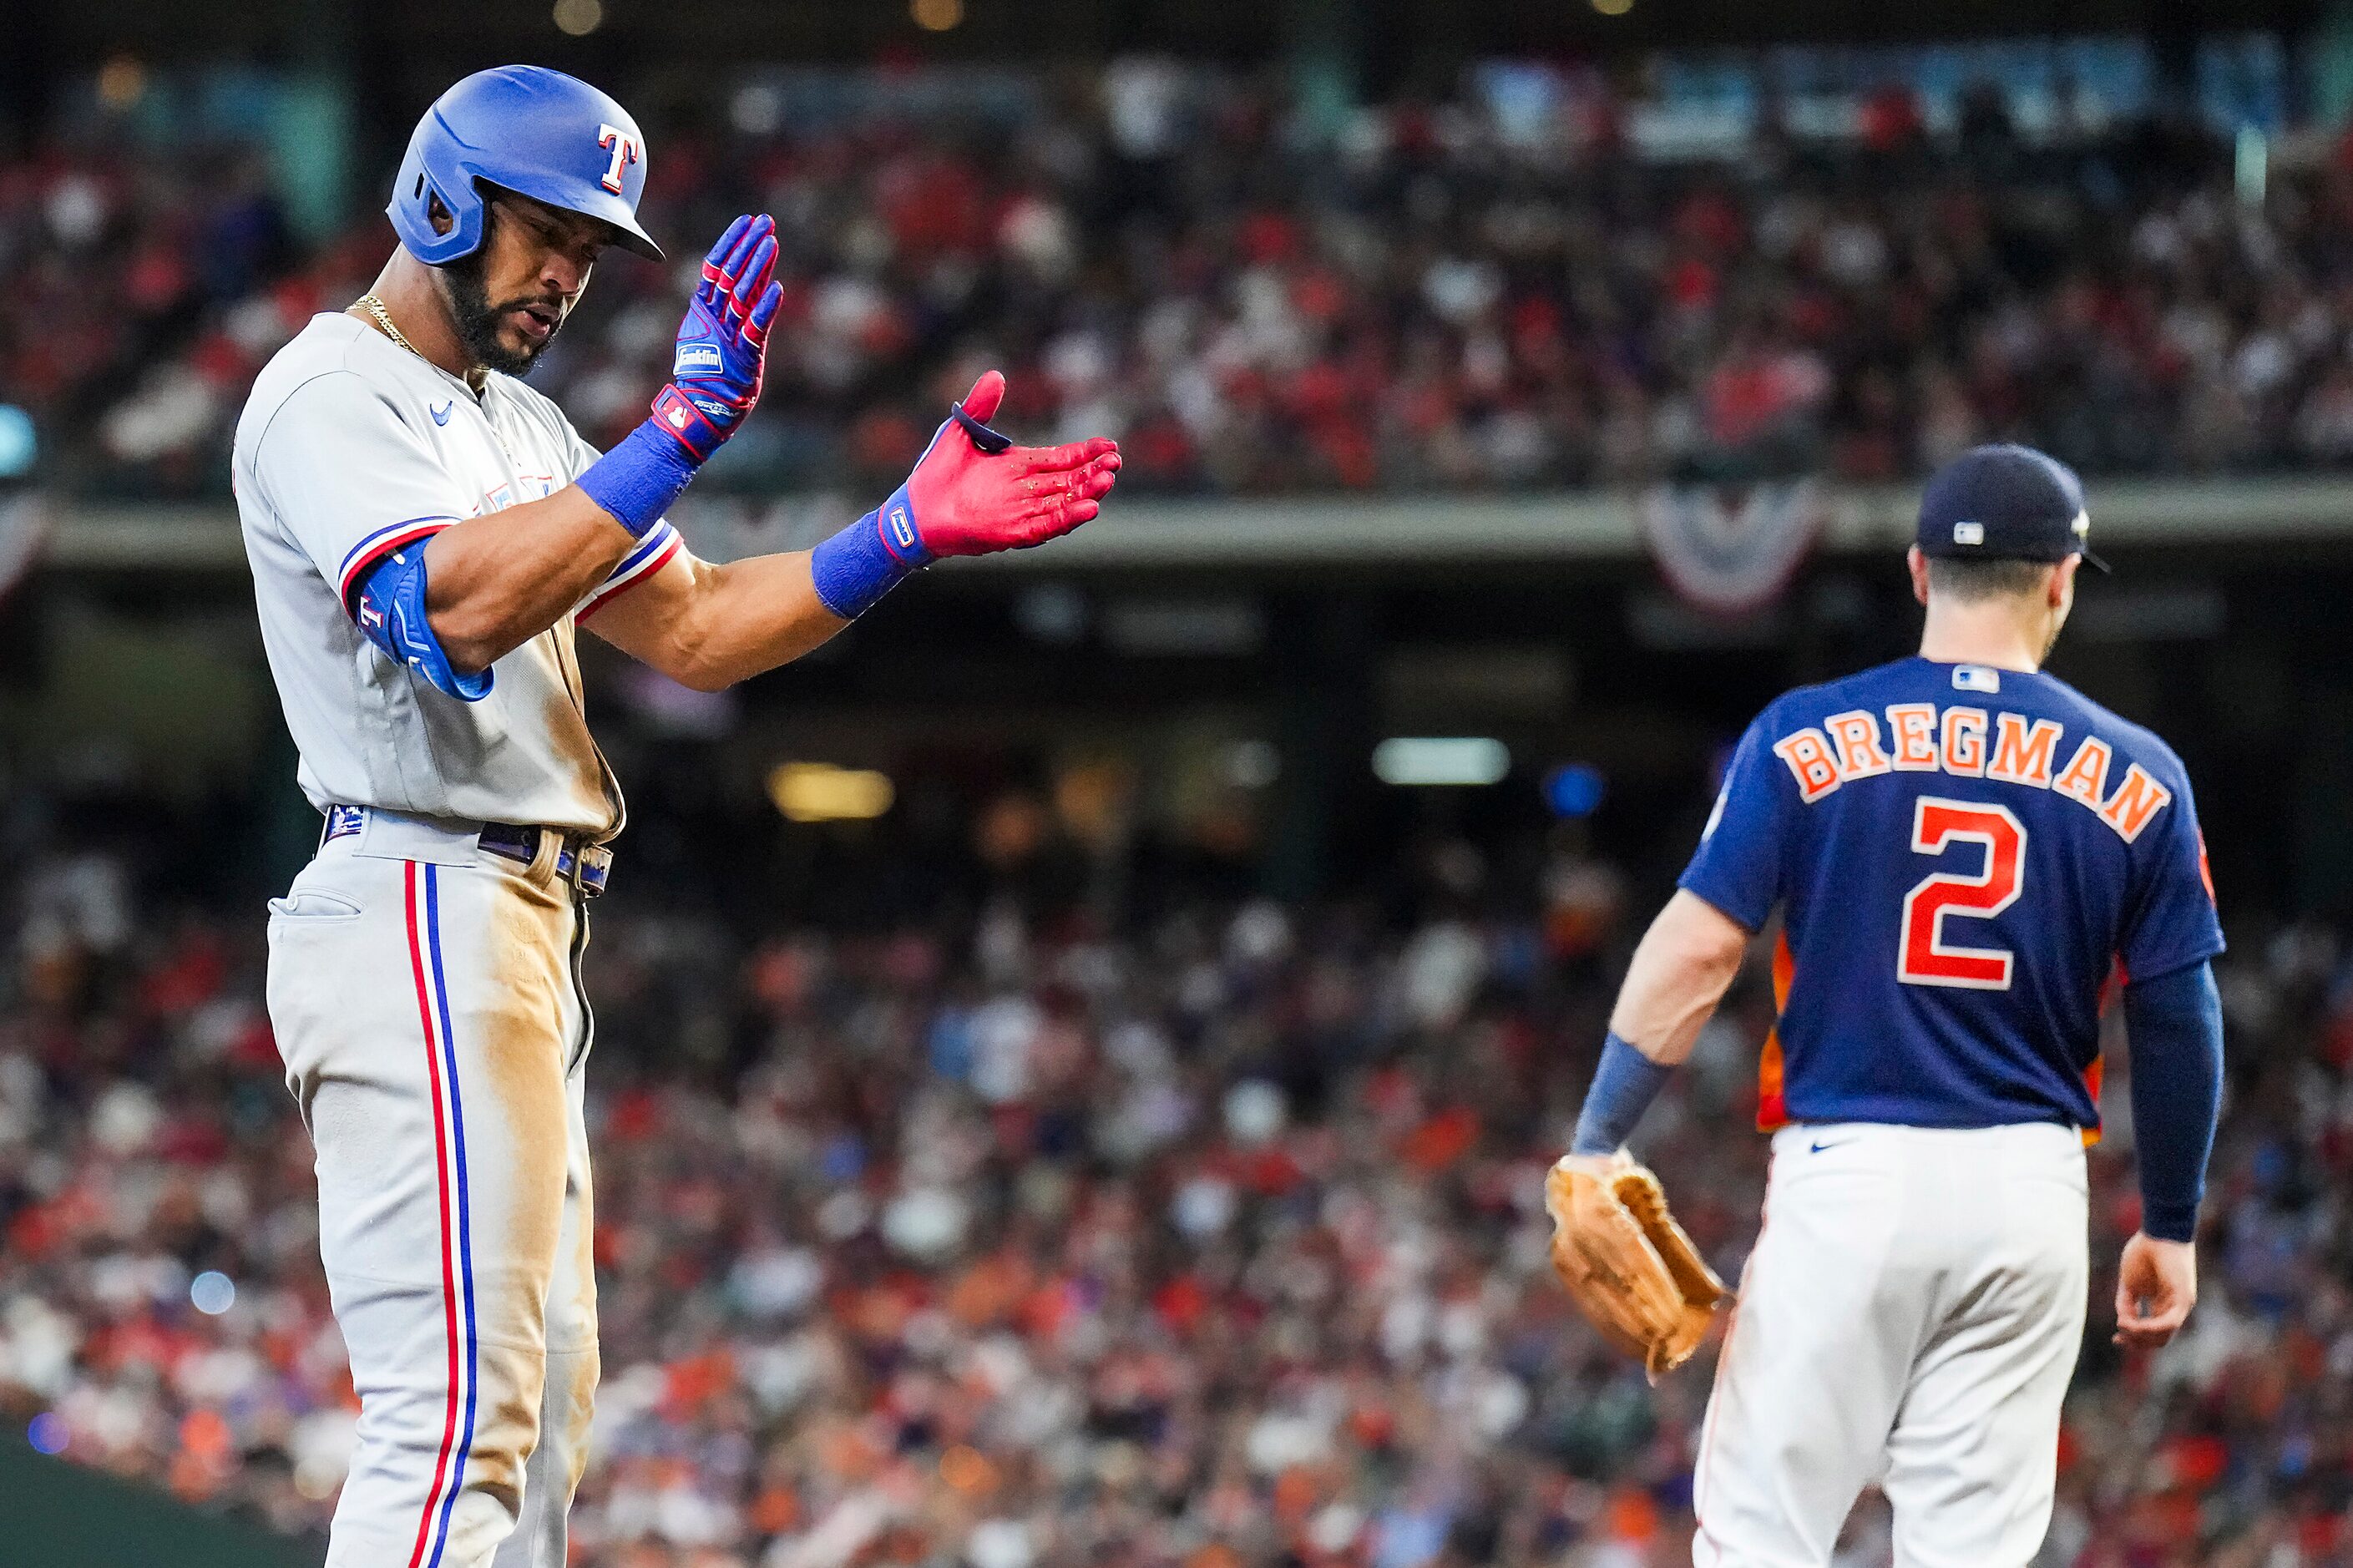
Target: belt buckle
(518, 845)
(575, 862)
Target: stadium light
(121, 82)
(2250, 165)
(820, 791)
(1426, 761)
(1575, 789)
(49, 1432)
(18, 443)
(212, 1292)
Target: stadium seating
(1026, 1237)
(1426, 303)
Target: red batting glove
(974, 492)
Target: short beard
(477, 319)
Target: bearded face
(488, 329)
(507, 297)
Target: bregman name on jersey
(1970, 743)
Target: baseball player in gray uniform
(426, 533)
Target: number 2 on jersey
(1926, 958)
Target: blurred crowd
(1034, 1237)
(1434, 296)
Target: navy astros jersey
(1964, 857)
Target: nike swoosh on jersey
(442, 414)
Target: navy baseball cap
(2005, 503)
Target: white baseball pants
(1911, 1316)
(424, 997)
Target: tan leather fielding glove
(1626, 1262)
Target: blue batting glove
(723, 345)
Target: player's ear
(2060, 590)
(1918, 564)
(438, 216)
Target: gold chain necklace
(374, 306)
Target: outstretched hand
(974, 492)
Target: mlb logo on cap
(2005, 503)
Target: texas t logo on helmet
(525, 128)
(624, 144)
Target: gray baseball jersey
(350, 447)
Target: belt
(578, 861)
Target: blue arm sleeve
(636, 480)
(854, 568)
(389, 605)
(2174, 1026)
(1624, 1084)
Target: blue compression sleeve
(855, 567)
(2174, 1025)
(638, 480)
(389, 607)
(1623, 1087)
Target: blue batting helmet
(529, 129)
